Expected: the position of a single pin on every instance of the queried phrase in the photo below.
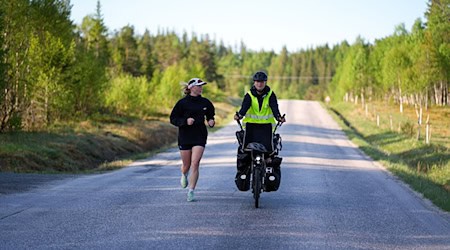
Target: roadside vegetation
(99, 144)
(53, 71)
(425, 167)
(84, 146)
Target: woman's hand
(190, 121)
(211, 123)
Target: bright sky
(261, 24)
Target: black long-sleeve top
(247, 101)
(196, 107)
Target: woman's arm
(210, 113)
(177, 115)
(246, 103)
(273, 103)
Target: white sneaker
(190, 195)
(183, 181)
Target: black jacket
(247, 102)
(198, 108)
(261, 133)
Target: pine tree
(124, 52)
(145, 51)
(203, 52)
(94, 34)
(88, 79)
(167, 49)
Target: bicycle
(258, 167)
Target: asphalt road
(332, 196)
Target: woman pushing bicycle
(260, 112)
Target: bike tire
(257, 186)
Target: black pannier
(273, 175)
(242, 178)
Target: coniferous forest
(54, 70)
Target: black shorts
(189, 146)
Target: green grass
(425, 167)
(81, 147)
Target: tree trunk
(419, 118)
(390, 123)
(438, 94)
(46, 110)
(428, 131)
(444, 93)
(6, 111)
(363, 100)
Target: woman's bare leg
(185, 161)
(185, 166)
(197, 153)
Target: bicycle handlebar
(279, 123)
(239, 121)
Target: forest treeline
(53, 70)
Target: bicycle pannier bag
(273, 178)
(242, 178)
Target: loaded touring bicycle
(258, 166)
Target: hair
(184, 87)
(186, 90)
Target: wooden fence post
(390, 122)
(428, 131)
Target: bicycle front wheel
(256, 185)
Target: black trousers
(261, 133)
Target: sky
(261, 24)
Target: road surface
(331, 196)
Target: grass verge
(82, 147)
(100, 144)
(425, 167)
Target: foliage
(411, 66)
(168, 90)
(128, 95)
(55, 71)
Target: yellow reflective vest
(263, 116)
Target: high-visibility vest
(255, 115)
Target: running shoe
(190, 195)
(183, 181)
